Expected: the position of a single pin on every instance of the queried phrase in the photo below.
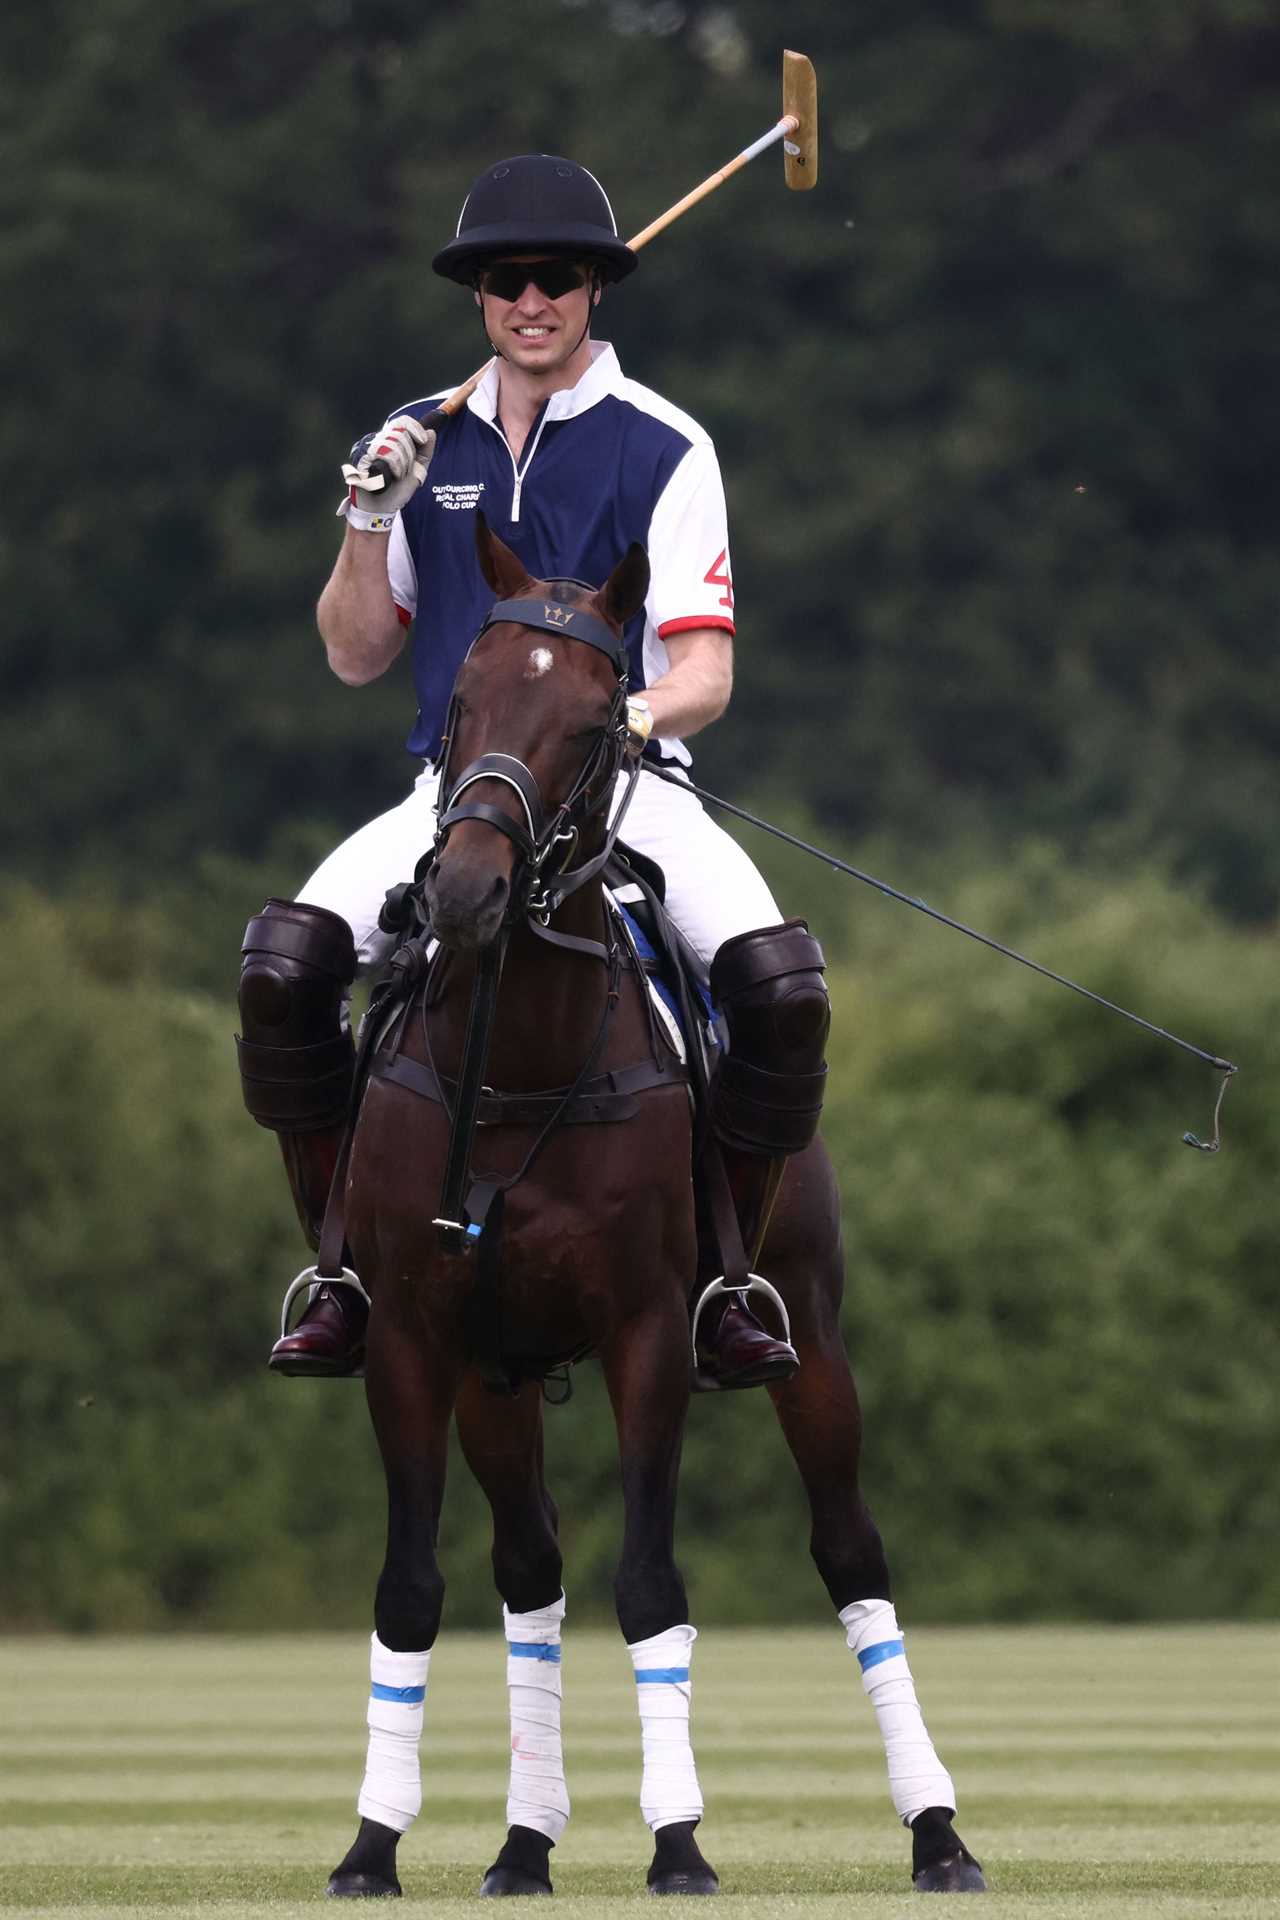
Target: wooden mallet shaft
(798, 128)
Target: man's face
(536, 330)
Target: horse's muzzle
(466, 902)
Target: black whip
(1225, 1067)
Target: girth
(604, 1100)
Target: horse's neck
(550, 1005)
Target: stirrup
(755, 1283)
(310, 1278)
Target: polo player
(571, 461)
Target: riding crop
(1225, 1067)
(798, 131)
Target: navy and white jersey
(606, 463)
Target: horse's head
(534, 740)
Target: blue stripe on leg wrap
(403, 1696)
(885, 1650)
(653, 1676)
(535, 1650)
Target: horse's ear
(623, 592)
(507, 575)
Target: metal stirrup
(310, 1278)
(755, 1283)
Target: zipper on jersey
(518, 472)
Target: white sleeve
(691, 584)
(402, 573)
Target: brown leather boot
(328, 1341)
(310, 1160)
(735, 1350)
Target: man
(570, 462)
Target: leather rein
(545, 842)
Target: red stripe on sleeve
(693, 620)
(406, 619)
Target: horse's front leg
(646, 1368)
(410, 1383)
(821, 1419)
(502, 1441)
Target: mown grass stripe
(837, 1809)
(53, 1887)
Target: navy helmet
(535, 203)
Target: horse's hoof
(698, 1881)
(678, 1865)
(500, 1881)
(940, 1860)
(368, 1870)
(361, 1886)
(954, 1873)
(521, 1867)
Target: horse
(582, 1239)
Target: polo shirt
(606, 463)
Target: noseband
(543, 842)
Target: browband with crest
(554, 616)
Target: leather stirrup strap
(724, 1214)
(333, 1233)
(331, 1253)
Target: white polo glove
(405, 447)
(639, 726)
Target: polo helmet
(535, 203)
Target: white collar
(602, 377)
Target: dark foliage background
(997, 407)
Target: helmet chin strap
(595, 287)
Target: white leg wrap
(391, 1792)
(917, 1778)
(669, 1789)
(537, 1796)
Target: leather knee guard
(296, 1056)
(767, 1096)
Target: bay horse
(577, 1234)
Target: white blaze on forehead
(540, 662)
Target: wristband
(365, 521)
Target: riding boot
(296, 1065)
(309, 1161)
(735, 1349)
(766, 1100)
(327, 1341)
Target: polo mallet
(798, 132)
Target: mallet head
(800, 100)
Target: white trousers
(713, 889)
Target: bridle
(544, 841)
(471, 1207)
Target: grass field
(1101, 1772)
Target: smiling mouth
(533, 333)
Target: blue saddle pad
(661, 986)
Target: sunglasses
(554, 278)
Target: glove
(639, 726)
(405, 446)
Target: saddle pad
(665, 1004)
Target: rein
(471, 1204)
